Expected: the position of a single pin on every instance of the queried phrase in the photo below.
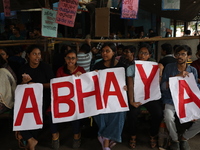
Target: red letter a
(145, 80)
(111, 78)
(82, 95)
(29, 92)
(63, 99)
(192, 98)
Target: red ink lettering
(147, 81)
(28, 93)
(111, 78)
(63, 99)
(192, 98)
(81, 95)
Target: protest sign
(67, 12)
(129, 9)
(186, 97)
(67, 105)
(170, 4)
(6, 5)
(146, 82)
(49, 25)
(89, 94)
(28, 107)
(112, 82)
(73, 98)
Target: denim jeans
(111, 125)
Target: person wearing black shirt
(110, 124)
(36, 71)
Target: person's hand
(194, 120)
(125, 88)
(26, 78)
(183, 74)
(136, 104)
(160, 66)
(78, 74)
(88, 41)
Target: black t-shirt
(42, 74)
(100, 65)
(166, 60)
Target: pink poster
(6, 5)
(129, 9)
(67, 12)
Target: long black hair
(65, 69)
(114, 49)
(30, 48)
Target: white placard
(146, 82)
(186, 97)
(28, 107)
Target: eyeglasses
(180, 54)
(143, 53)
(70, 58)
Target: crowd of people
(19, 32)
(76, 61)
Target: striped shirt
(84, 60)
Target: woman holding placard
(110, 124)
(36, 71)
(70, 68)
(153, 107)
